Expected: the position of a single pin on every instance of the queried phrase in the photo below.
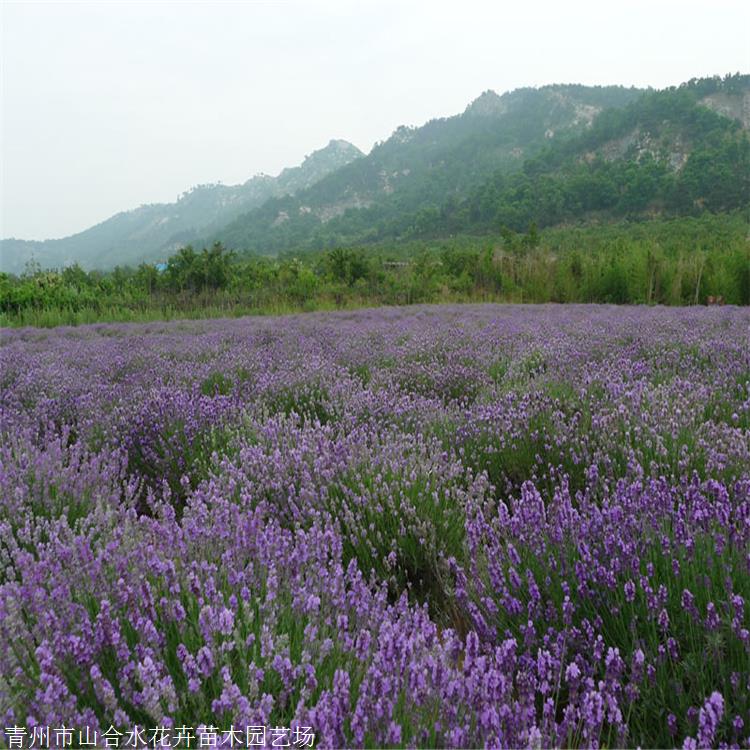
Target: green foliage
(216, 384)
(188, 270)
(171, 461)
(308, 401)
(526, 160)
(679, 261)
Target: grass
(53, 317)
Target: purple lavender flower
(425, 555)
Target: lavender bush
(435, 527)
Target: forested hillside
(403, 178)
(559, 155)
(544, 157)
(154, 231)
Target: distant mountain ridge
(457, 174)
(160, 229)
(420, 167)
(549, 155)
(680, 151)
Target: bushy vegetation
(673, 262)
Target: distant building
(161, 266)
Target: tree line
(681, 261)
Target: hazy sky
(106, 106)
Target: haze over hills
(157, 230)
(551, 155)
(420, 167)
(546, 155)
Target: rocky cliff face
(316, 166)
(736, 106)
(668, 143)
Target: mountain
(548, 155)
(680, 151)
(552, 155)
(155, 231)
(422, 167)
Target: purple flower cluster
(438, 527)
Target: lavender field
(457, 526)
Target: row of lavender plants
(435, 527)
